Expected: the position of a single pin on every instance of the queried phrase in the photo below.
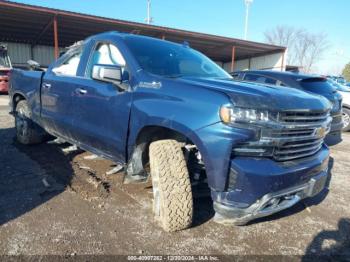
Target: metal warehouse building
(39, 33)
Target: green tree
(346, 72)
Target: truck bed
(27, 84)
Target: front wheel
(173, 203)
(27, 132)
(346, 119)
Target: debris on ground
(115, 170)
(84, 167)
(57, 141)
(92, 157)
(70, 149)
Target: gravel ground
(54, 202)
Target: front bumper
(271, 203)
(262, 187)
(337, 124)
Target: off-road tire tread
(176, 203)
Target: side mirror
(107, 73)
(33, 65)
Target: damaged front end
(270, 203)
(287, 163)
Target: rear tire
(27, 132)
(346, 119)
(173, 203)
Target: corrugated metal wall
(272, 62)
(21, 53)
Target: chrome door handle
(46, 85)
(81, 91)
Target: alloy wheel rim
(346, 120)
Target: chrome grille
(297, 149)
(304, 135)
(292, 135)
(302, 117)
(293, 132)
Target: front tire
(346, 119)
(173, 202)
(27, 132)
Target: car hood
(260, 96)
(331, 96)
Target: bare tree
(305, 49)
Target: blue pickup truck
(167, 112)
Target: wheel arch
(140, 146)
(16, 97)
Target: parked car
(309, 83)
(345, 92)
(338, 79)
(5, 67)
(138, 100)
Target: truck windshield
(318, 85)
(172, 60)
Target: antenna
(247, 5)
(149, 19)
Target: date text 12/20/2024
(173, 258)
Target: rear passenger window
(69, 67)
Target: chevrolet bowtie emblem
(320, 132)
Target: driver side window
(106, 54)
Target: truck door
(58, 85)
(101, 110)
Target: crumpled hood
(273, 98)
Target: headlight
(231, 114)
(336, 106)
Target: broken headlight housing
(230, 114)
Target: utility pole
(149, 19)
(247, 5)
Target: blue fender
(192, 113)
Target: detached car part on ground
(5, 67)
(307, 83)
(142, 102)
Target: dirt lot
(57, 202)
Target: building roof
(31, 24)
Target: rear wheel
(173, 203)
(27, 131)
(346, 119)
